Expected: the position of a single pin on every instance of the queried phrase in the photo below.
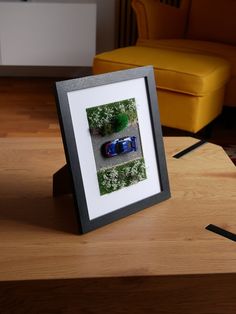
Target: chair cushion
(177, 71)
(227, 52)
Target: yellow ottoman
(190, 86)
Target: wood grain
(38, 234)
(27, 107)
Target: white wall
(105, 20)
(47, 34)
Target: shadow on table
(51, 213)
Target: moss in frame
(113, 117)
(120, 176)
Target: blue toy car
(119, 146)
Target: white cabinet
(48, 34)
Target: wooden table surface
(161, 250)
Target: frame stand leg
(62, 182)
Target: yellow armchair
(195, 75)
(205, 27)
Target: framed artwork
(113, 144)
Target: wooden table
(160, 260)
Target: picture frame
(113, 143)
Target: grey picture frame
(75, 178)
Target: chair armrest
(157, 20)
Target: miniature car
(119, 146)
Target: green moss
(100, 116)
(120, 122)
(117, 177)
(107, 129)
